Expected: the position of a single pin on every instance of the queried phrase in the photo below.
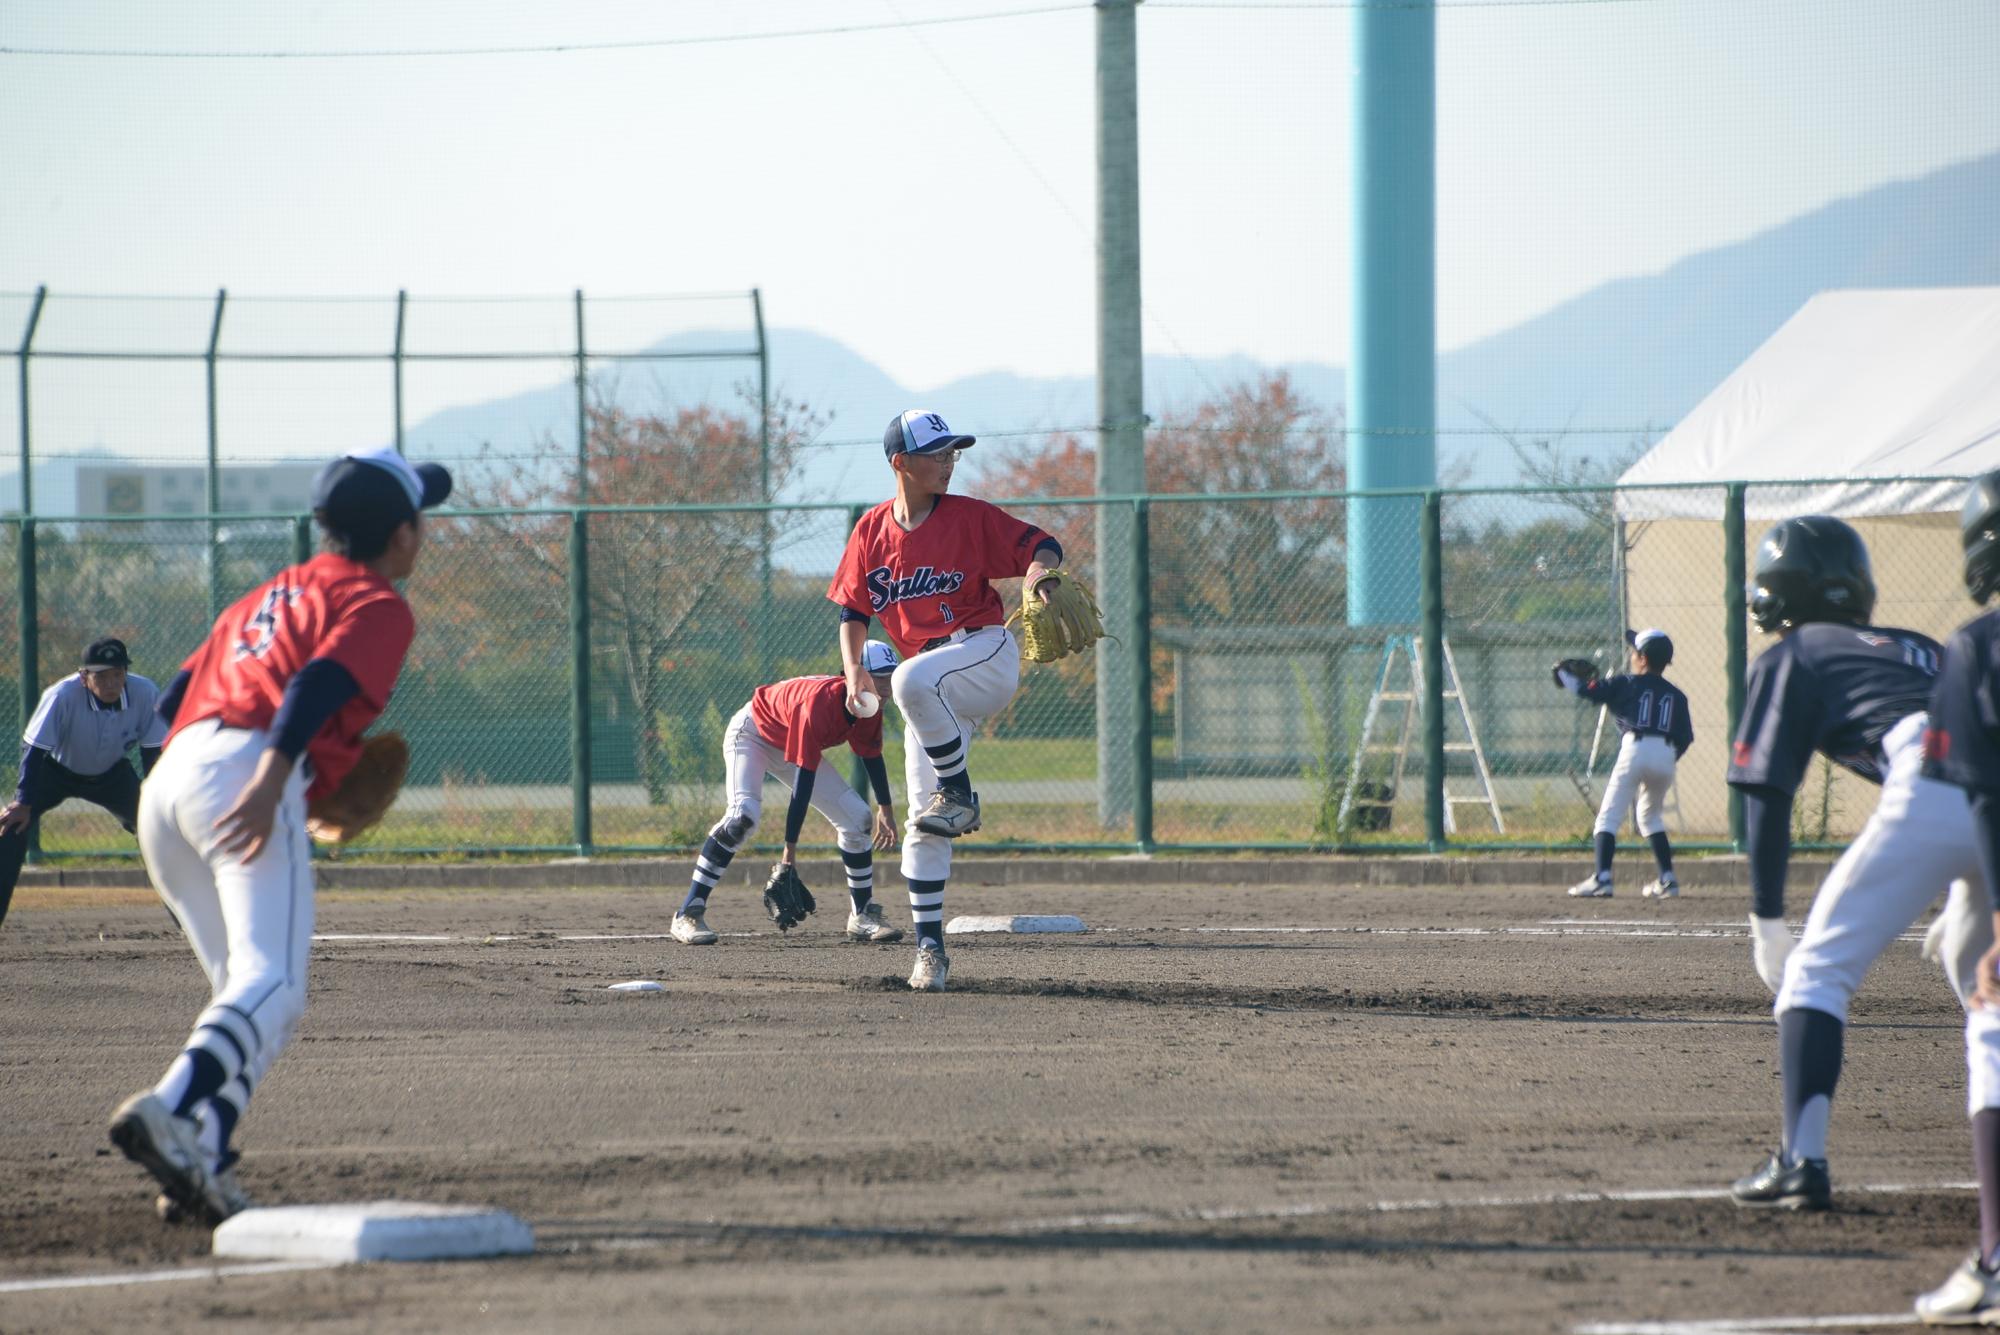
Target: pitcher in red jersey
(294, 672)
(923, 561)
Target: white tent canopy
(1858, 384)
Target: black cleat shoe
(1777, 1185)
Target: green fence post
(396, 362)
(857, 772)
(579, 707)
(1430, 573)
(582, 409)
(1141, 635)
(302, 539)
(27, 453)
(1735, 611)
(31, 672)
(214, 488)
(26, 610)
(765, 653)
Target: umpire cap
(1655, 644)
(108, 652)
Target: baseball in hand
(865, 705)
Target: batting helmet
(1979, 534)
(1813, 568)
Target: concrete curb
(1331, 870)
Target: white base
(373, 1231)
(1020, 923)
(637, 985)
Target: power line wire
(714, 39)
(547, 48)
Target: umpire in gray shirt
(75, 746)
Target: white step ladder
(1409, 649)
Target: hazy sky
(923, 191)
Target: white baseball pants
(945, 694)
(1646, 764)
(250, 924)
(747, 758)
(1918, 843)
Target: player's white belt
(955, 637)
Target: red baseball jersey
(806, 717)
(932, 580)
(330, 607)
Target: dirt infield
(1228, 1109)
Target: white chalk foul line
(1557, 927)
(1129, 1218)
(160, 1276)
(446, 938)
(1746, 1325)
(1552, 929)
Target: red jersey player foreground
(922, 561)
(785, 731)
(294, 671)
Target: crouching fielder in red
(296, 670)
(922, 561)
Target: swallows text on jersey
(884, 589)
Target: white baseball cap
(877, 659)
(1654, 643)
(920, 431)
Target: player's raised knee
(902, 680)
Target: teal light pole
(1391, 390)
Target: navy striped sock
(927, 911)
(205, 1075)
(860, 877)
(948, 758)
(709, 866)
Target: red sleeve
(370, 638)
(850, 580)
(1010, 544)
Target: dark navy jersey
(1832, 688)
(1962, 744)
(1648, 705)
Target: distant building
(113, 488)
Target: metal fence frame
(25, 354)
(1134, 636)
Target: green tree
(655, 576)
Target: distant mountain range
(1626, 359)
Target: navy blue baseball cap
(1654, 644)
(920, 432)
(374, 490)
(108, 652)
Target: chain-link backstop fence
(574, 666)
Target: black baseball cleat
(1777, 1185)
